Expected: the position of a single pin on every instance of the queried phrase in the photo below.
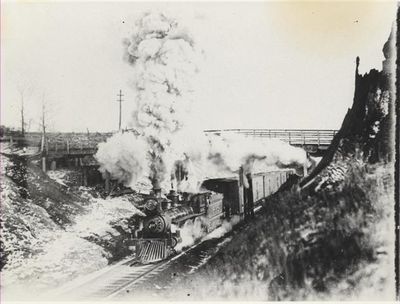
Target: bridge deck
(58, 145)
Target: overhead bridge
(80, 147)
(313, 141)
(85, 144)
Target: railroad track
(160, 278)
(127, 280)
(110, 283)
(119, 280)
(127, 277)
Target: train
(157, 233)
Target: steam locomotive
(158, 232)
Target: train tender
(158, 232)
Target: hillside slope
(32, 204)
(51, 233)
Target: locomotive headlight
(156, 224)
(151, 205)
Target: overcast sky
(267, 64)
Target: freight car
(158, 232)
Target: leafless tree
(25, 91)
(43, 115)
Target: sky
(265, 64)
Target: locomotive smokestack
(157, 190)
(173, 196)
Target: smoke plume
(163, 59)
(168, 151)
(124, 156)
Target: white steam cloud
(163, 59)
(193, 231)
(167, 151)
(124, 156)
(231, 151)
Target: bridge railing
(293, 137)
(67, 147)
(83, 144)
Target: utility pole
(22, 116)
(120, 95)
(44, 115)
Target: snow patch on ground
(102, 213)
(58, 176)
(39, 254)
(13, 149)
(65, 254)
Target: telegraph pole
(120, 95)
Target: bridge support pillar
(44, 169)
(53, 165)
(85, 177)
(107, 184)
(76, 162)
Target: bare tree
(25, 90)
(43, 117)
(47, 112)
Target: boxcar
(240, 196)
